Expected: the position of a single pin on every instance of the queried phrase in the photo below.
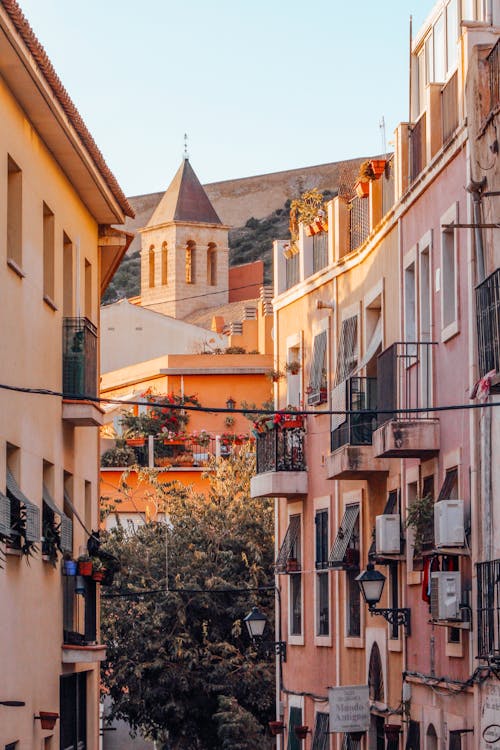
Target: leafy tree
(180, 668)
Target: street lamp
(256, 622)
(371, 582)
(230, 403)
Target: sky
(258, 86)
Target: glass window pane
(295, 604)
(452, 33)
(439, 50)
(323, 615)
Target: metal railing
(292, 271)
(359, 222)
(388, 187)
(184, 453)
(79, 358)
(417, 147)
(488, 323)
(488, 611)
(494, 67)
(404, 381)
(449, 107)
(320, 251)
(361, 394)
(281, 450)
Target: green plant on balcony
(163, 415)
(17, 539)
(51, 540)
(293, 367)
(120, 455)
(420, 515)
(201, 438)
(366, 171)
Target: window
(409, 292)
(448, 276)
(293, 379)
(68, 290)
(48, 254)
(164, 263)
(439, 50)
(87, 291)
(57, 527)
(211, 264)
(88, 505)
(322, 604)
(295, 604)
(451, 34)
(431, 738)
(347, 355)
(455, 742)
(394, 595)
(353, 605)
(294, 720)
(317, 390)
(190, 262)
(24, 515)
(14, 214)
(345, 551)
(321, 523)
(151, 261)
(73, 711)
(321, 739)
(376, 676)
(289, 553)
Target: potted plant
(301, 731)
(48, 719)
(274, 375)
(97, 569)
(420, 516)
(136, 441)
(229, 420)
(276, 727)
(362, 188)
(378, 167)
(201, 438)
(120, 455)
(70, 566)
(293, 367)
(84, 565)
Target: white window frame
(296, 509)
(452, 327)
(322, 504)
(295, 341)
(410, 287)
(353, 641)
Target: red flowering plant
(164, 416)
(288, 420)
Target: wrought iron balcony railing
(359, 222)
(281, 450)
(357, 394)
(79, 358)
(404, 381)
(488, 611)
(488, 323)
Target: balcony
(292, 271)
(281, 466)
(80, 373)
(359, 222)
(404, 382)
(488, 326)
(488, 612)
(320, 251)
(449, 108)
(352, 455)
(417, 147)
(80, 623)
(169, 453)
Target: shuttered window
(4, 515)
(290, 545)
(316, 392)
(66, 523)
(295, 720)
(32, 511)
(344, 536)
(347, 354)
(320, 737)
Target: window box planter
(98, 576)
(137, 442)
(301, 731)
(362, 188)
(48, 719)
(276, 727)
(378, 166)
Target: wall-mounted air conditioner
(445, 596)
(388, 534)
(449, 523)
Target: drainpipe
(489, 12)
(476, 191)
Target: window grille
(317, 378)
(488, 611)
(289, 544)
(5, 529)
(347, 355)
(32, 510)
(320, 251)
(344, 536)
(359, 222)
(320, 736)
(66, 523)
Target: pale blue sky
(259, 86)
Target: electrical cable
(197, 296)
(249, 410)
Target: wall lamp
(256, 622)
(230, 403)
(371, 582)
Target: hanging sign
(349, 708)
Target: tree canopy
(180, 668)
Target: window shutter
(321, 727)
(4, 515)
(294, 720)
(347, 354)
(318, 366)
(32, 510)
(66, 523)
(289, 541)
(344, 534)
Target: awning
(374, 344)
(66, 523)
(4, 515)
(32, 511)
(291, 537)
(344, 535)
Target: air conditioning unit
(449, 523)
(445, 596)
(388, 534)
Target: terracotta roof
(47, 69)
(184, 200)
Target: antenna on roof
(382, 134)
(186, 155)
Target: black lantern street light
(371, 582)
(230, 403)
(256, 622)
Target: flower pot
(362, 189)
(276, 727)
(70, 567)
(98, 576)
(85, 567)
(48, 719)
(292, 424)
(378, 166)
(136, 441)
(301, 731)
(392, 732)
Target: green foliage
(179, 667)
(420, 515)
(163, 416)
(120, 455)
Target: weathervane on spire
(186, 155)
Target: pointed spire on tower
(186, 154)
